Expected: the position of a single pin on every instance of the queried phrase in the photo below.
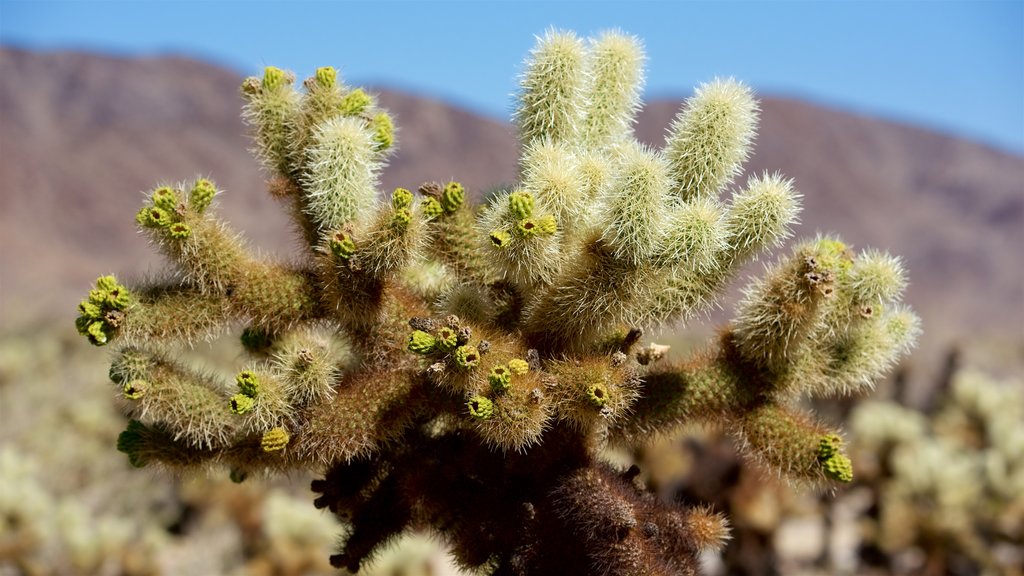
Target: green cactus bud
(447, 339)
(342, 245)
(500, 378)
(547, 225)
(275, 440)
(355, 102)
(401, 198)
(157, 217)
(518, 366)
(165, 198)
(480, 408)
(107, 283)
(597, 394)
(274, 78)
(201, 196)
(248, 383)
(432, 208)
(89, 310)
(130, 441)
(241, 404)
(467, 357)
(326, 76)
(97, 333)
(526, 228)
(520, 205)
(135, 389)
(421, 342)
(401, 218)
(452, 197)
(834, 463)
(383, 131)
(500, 238)
(180, 230)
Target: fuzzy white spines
(694, 237)
(551, 173)
(616, 78)
(760, 216)
(341, 175)
(551, 89)
(636, 205)
(711, 137)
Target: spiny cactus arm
(634, 216)
(616, 70)
(190, 406)
(271, 107)
(710, 138)
(790, 443)
(521, 241)
(552, 176)
(171, 314)
(594, 392)
(552, 87)
(451, 227)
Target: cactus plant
(477, 405)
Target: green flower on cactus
(526, 228)
(274, 78)
(201, 196)
(165, 198)
(180, 230)
(383, 131)
(597, 394)
(401, 218)
(342, 245)
(87, 309)
(500, 378)
(432, 208)
(156, 217)
(97, 333)
(547, 225)
(275, 440)
(354, 103)
(447, 339)
(421, 342)
(248, 383)
(401, 198)
(135, 389)
(240, 403)
(500, 238)
(452, 197)
(326, 76)
(480, 407)
(518, 366)
(467, 357)
(520, 204)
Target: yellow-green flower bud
(97, 333)
(401, 198)
(520, 204)
(480, 407)
(597, 394)
(342, 245)
(326, 76)
(201, 196)
(274, 78)
(107, 283)
(383, 131)
(518, 366)
(401, 218)
(275, 440)
(421, 342)
(834, 463)
(467, 357)
(240, 403)
(164, 197)
(547, 225)
(452, 197)
(500, 238)
(248, 383)
(89, 310)
(447, 339)
(526, 228)
(355, 102)
(432, 208)
(135, 389)
(500, 378)
(157, 217)
(180, 230)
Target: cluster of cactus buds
(462, 369)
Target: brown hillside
(82, 135)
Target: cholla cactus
(477, 405)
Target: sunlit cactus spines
(462, 367)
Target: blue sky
(953, 66)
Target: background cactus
(478, 406)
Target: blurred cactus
(476, 403)
(950, 485)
